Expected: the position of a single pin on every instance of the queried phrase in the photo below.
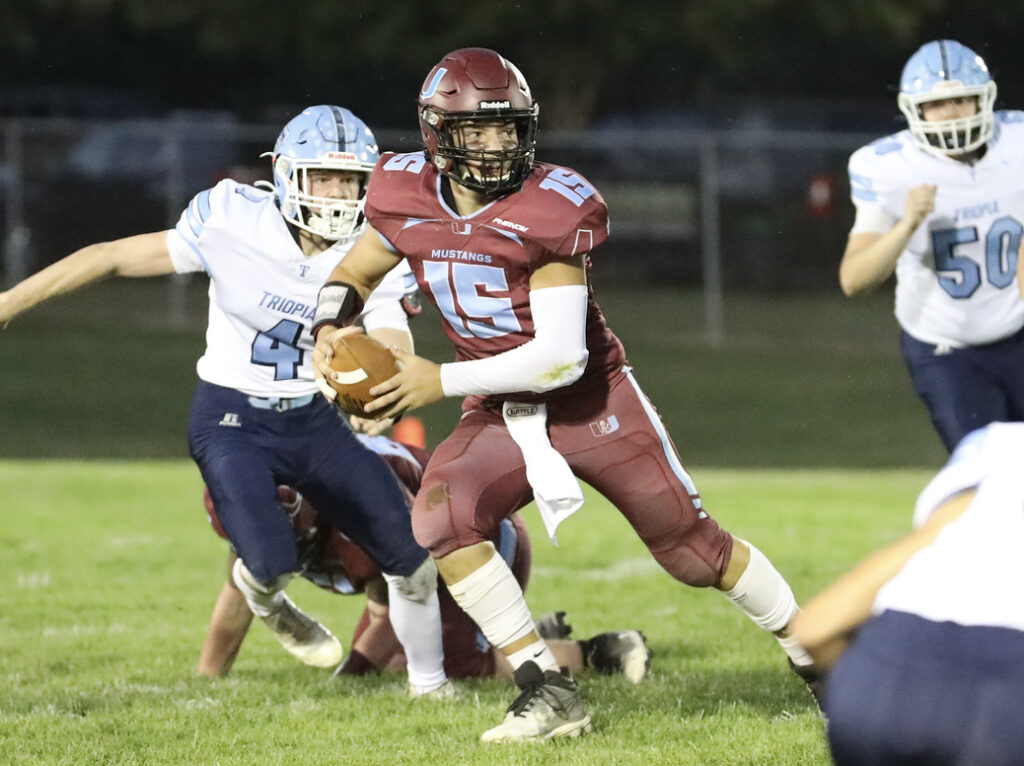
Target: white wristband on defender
(555, 357)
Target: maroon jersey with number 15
(477, 268)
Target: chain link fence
(754, 209)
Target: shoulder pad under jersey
(557, 208)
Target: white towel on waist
(555, 488)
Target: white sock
(262, 599)
(763, 594)
(417, 624)
(491, 596)
(537, 652)
(795, 651)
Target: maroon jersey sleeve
(564, 214)
(398, 191)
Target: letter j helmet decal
(434, 82)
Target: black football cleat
(813, 680)
(622, 651)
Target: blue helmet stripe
(944, 56)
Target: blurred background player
(335, 563)
(256, 421)
(502, 245)
(927, 635)
(942, 204)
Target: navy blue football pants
(244, 452)
(913, 691)
(968, 388)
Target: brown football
(361, 363)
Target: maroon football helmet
(475, 85)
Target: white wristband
(555, 357)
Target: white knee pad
(262, 599)
(418, 586)
(492, 597)
(763, 594)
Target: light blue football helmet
(322, 138)
(946, 69)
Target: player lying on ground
(335, 563)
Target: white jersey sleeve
(940, 582)
(956, 279)
(872, 219)
(878, 194)
(183, 240)
(383, 308)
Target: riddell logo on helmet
(495, 105)
(341, 156)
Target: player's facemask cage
(956, 136)
(330, 218)
(508, 167)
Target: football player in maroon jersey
(333, 562)
(502, 245)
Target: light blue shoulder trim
(198, 212)
(861, 187)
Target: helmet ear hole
(432, 117)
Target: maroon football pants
(614, 441)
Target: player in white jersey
(941, 204)
(257, 420)
(927, 636)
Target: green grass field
(799, 381)
(109, 572)
(791, 427)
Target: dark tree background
(586, 60)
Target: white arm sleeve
(555, 357)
